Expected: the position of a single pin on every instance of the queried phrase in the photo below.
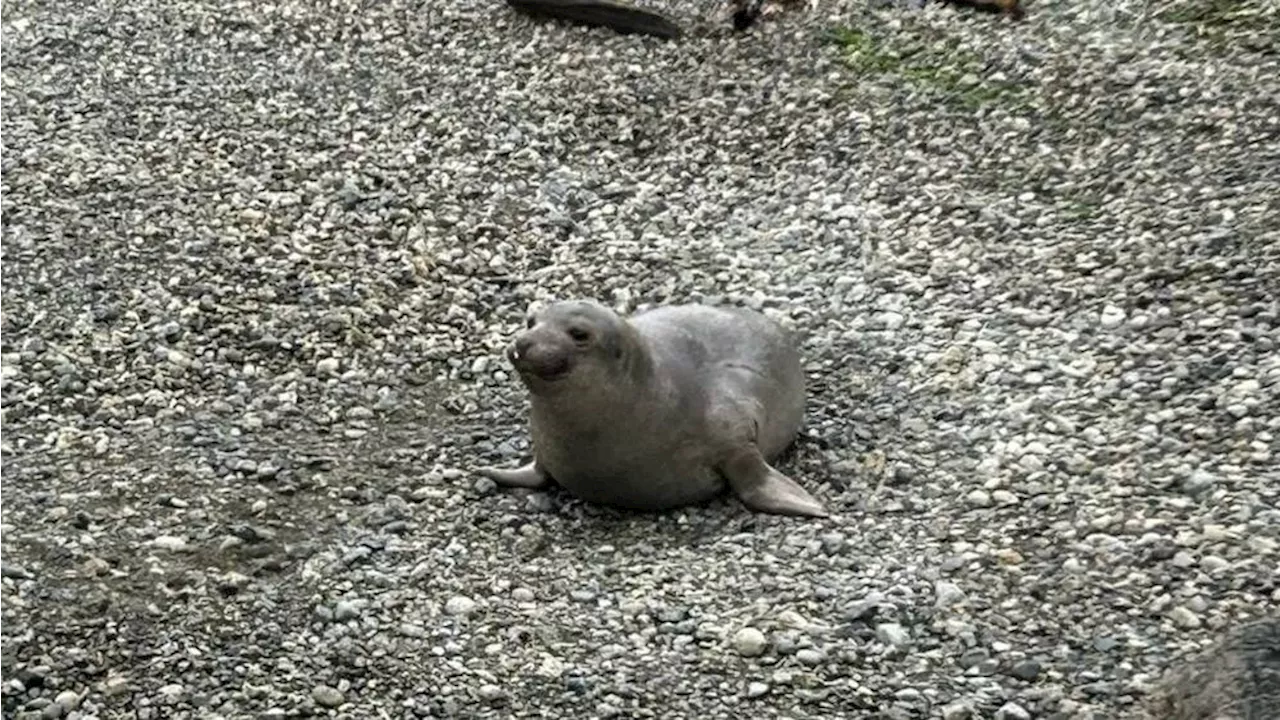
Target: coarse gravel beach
(261, 261)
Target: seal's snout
(542, 360)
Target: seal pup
(660, 410)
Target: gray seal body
(1238, 678)
(662, 410)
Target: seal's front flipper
(764, 489)
(525, 476)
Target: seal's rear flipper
(764, 489)
(525, 476)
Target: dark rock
(1027, 670)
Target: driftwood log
(1012, 8)
(625, 18)
(618, 16)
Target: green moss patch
(943, 67)
(1248, 24)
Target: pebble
(957, 710)
(1184, 618)
(1263, 546)
(540, 502)
(865, 608)
(326, 696)
(16, 572)
(346, 610)
(893, 635)
(233, 582)
(1012, 711)
(947, 594)
(973, 657)
(749, 642)
(979, 498)
(68, 700)
(460, 605)
(1112, 317)
(810, 656)
(890, 320)
(757, 689)
(491, 694)
(1004, 497)
(1213, 564)
(171, 543)
(909, 695)
(1216, 533)
(833, 543)
(1027, 670)
(1009, 556)
(1198, 482)
(413, 630)
(328, 367)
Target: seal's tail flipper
(525, 476)
(764, 489)
(613, 14)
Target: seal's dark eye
(579, 335)
(530, 321)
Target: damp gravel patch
(260, 261)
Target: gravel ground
(260, 260)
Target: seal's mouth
(549, 376)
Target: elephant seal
(660, 410)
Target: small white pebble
(460, 605)
(749, 642)
(1111, 317)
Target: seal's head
(569, 344)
